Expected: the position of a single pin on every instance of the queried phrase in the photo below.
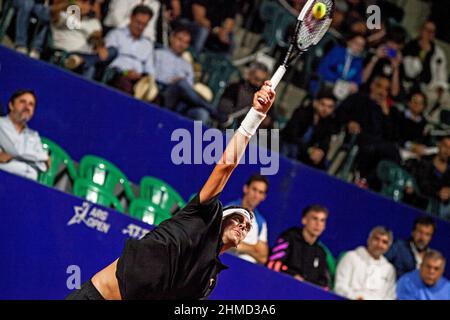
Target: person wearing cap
(180, 258)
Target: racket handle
(276, 78)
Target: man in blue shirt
(407, 255)
(426, 283)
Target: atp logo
(91, 216)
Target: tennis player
(180, 258)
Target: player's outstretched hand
(264, 98)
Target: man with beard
(407, 255)
(21, 149)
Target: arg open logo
(91, 216)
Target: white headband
(241, 211)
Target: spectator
(254, 247)
(175, 78)
(342, 68)
(238, 96)
(432, 174)
(426, 283)
(119, 13)
(407, 255)
(297, 251)
(364, 273)
(21, 149)
(425, 62)
(387, 61)
(25, 8)
(372, 121)
(212, 24)
(84, 43)
(135, 52)
(411, 125)
(307, 135)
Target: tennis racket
(309, 30)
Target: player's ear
(245, 189)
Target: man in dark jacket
(297, 251)
(307, 135)
(407, 255)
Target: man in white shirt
(135, 52)
(364, 273)
(21, 149)
(84, 41)
(119, 13)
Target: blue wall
(38, 244)
(89, 118)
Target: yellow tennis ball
(319, 10)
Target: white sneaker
(22, 50)
(35, 54)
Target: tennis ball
(319, 10)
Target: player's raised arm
(262, 102)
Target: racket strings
(312, 29)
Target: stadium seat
(94, 193)
(105, 174)
(217, 70)
(161, 194)
(59, 158)
(394, 179)
(8, 12)
(331, 263)
(145, 210)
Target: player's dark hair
(20, 93)
(142, 9)
(425, 221)
(315, 208)
(258, 178)
(326, 93)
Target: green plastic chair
(146, 211)
(217, 70)
(59, 158)
(276, 22)
(8, 12)
(105, 174)
(160, 194)
(331, 263)
(394, 180)
(92, 192)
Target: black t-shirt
(177, 260)
(217, 11)
(298, 257)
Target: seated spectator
(426, 283)
(254, 248)
(407, 255)
(425, 62)
(307, 135)
(432, 175)
(135, 52)
(297, 251)
(372, 120)
(212, 23)
(387, 61)
(41, 10)
(84, 43)
(119, 13)
(21, 149)
(412, 124)
(238, 96)
(175, 78)
(364, 273)
(342, 68)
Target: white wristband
(251, 123)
